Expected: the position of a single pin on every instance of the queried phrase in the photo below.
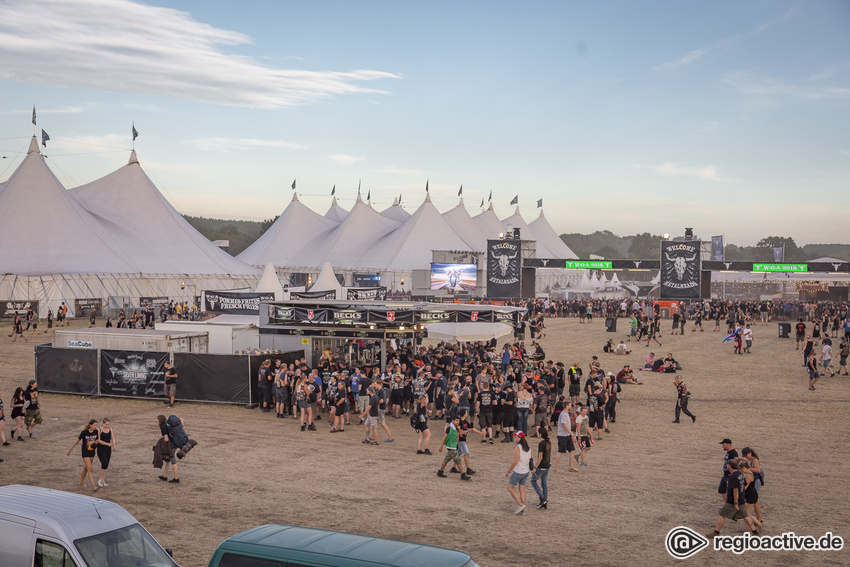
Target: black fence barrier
(212, 377)
(66, 371)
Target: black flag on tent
(293, 185)
(358, 186)
(426, 185)
(482, 202)
(369, 195)
(539, 203)
(333, 191)
(490, 198)
(44, 138)
(460, 191)
(33, 115)
(515, 200)
(135, 134)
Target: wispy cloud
(769, 87)
(668, 169)
(346, 159)
(845, 152)
(121, 45)
(829, 71)
(400, 171)
(225, 145)
(721, 44)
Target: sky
(730, 117)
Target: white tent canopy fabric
(269, 283)
(335, 212)
(149, 230)
(464, 332)
(293, 231)
(395, 212)
(461, 222)
(544, 233)
(489, 224)
(327, 281)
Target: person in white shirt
(826, 358)
(748, 338)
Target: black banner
(313, 294)
(234, 302)
(9, 308)
(718, 251)
(132, 374)
(67, 371)
(680, 270)
(212, 377)
(503, 268)
(366, 293)
(392, 316)
(153, 301)
(84, 307)
(310, 315)
(436, 316)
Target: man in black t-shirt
(801, 333)
(32, 417)
(170, 383)
(731, 455)
(265, 385)
(484, 409)
(734, 506)
(574, 375)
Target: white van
(40, 527)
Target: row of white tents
(119, 239)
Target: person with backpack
(173, 433)
(419, 422)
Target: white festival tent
(543, 232)
(489, 224)
(335, 213)
(409, 247)
(149, 230)
(461, 222)
(516, 221)
(269, 283)
(327, 281)
(395, 212)
(293, 232)
(77, 254)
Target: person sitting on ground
(621, 348)
(627, 376)
(609, 347)
(649, 361)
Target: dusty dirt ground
(647, 477)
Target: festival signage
(153, 301)
(504, 264)
(779, 267)
(84, 307)
(318, 295)
(132, 374)
(589, 265)
(367, 293)
(435, 316)
(234, 302)
(680, 270)
(392, 316)
(9, 308)
(717, 250)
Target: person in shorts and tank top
(106, 443)
(518, 472)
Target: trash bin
(611, 324)
(784, 330)
(665, 313)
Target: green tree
(792, 251)
(645, 246)
(267, 224)
(608, 253)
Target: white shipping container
(132, 339)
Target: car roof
(380, 551)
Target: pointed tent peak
(133, 159)
(460, 203)
(33, 146)
(516, 212)
(490, 207)
(294, 197)
(359, 198)
(395, 202)
(541, 215)
(333, 202)
(427, 197)
(269, 283)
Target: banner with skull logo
(504, 266)
(680, 270)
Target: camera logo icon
(683, 542)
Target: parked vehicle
(52, 528)
(279, 545)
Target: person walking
(683, 395)
(89, 437)
(524, 400)
(3, 422)
(755, 466)
(170, 383)
(420, 421)
(566, 439)
(105, 446)
(812, 367)
(450, 443)
(540, 478)
(32, 417)
(18, 412)
(519, 470)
